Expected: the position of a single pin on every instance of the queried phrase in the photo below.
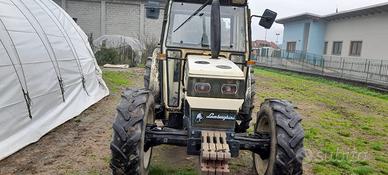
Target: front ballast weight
(215, 153)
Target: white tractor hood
(202, 66)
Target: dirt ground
(81, 145)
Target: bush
(121, 55)
(150, 43)
(107, 56)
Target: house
(114, 17)
(263, 43)
(355, 33)
(263, 48)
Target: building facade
(355, 33)
(114, 17)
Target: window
(337, 48)
(195, 33)
(325, 48)
(291, 46)
(355, 48)
(173, 77)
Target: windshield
(196, 32)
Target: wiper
(192, 15)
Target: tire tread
(130, 113)
(289, 137)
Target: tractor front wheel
(278, 119)
(135, 110)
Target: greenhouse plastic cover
(114, 41)
(48, 73)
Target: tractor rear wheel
(278, 119)
(135, 110)
(151, 76)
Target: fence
(370, 71)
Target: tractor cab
(188, 36)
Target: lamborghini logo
(199, 118)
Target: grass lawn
(116, 80)
(345, 126)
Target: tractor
(199, 91)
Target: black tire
(127, 146)
(248, 105)
(147, 73)
(279, 119)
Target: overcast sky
(286, 8)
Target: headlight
(216, 88)
(202, 88)
(229, 89)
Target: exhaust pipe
(215, 28)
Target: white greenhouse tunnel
(48, 73)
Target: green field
(345, 126)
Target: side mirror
(152, 9)
(268, 19)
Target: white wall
(87, 14)
(372, 30)
(123, 19)
(113, 17)
(153, 27)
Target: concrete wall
(123, 19)
(153, 27)
(87, 14)
(316, 38)
(58, 2)
(372, 30)
(113, 17)
(293, 32)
